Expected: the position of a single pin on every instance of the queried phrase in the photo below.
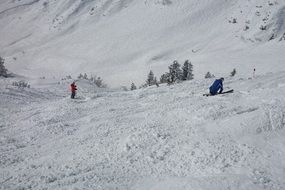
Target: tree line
(176, 73)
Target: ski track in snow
(169, 137)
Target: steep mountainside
(122, 39)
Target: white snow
(169, 137)
(163, 138)
(122, 40)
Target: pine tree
(85, 76)
(209, 75)
(150, 79)
(80, 76)
(164, 77)
(233, 73)
(3, 70)
(175, 73)
(156, 82)
(98, 81)
(133, 86)
(187, 71)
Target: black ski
(226, 92)
(229, 91)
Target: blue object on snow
(217, 86)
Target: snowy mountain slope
(169, 137)
(122, 40)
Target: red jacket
(73, 87)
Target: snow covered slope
(163, 138)
(122, 39)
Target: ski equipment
(226, 92)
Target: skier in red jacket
(73, 90)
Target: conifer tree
(80, 76)
(187, 71)
(133, 86)
(156, 82)
(85, 76)
(233, 73)
(164, 77)
(3, 70)
(98, 81)
(175, 73)
(209, 75)
(150, 78)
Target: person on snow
(73, 89)
(253, 74)
(217, 87)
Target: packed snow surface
(121, 40)
(169, 137)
